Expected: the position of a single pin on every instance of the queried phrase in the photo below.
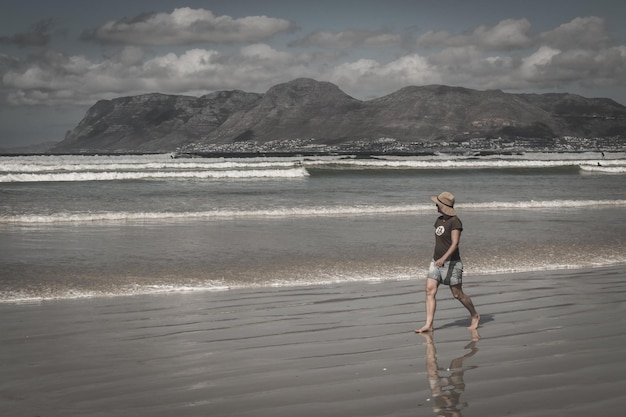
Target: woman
(446, 267)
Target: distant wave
(296, 212)
(135, 175)
(610, 166)
(604, 169)
(53, 166)
(551, 204)
(111, 168)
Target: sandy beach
(549, 344)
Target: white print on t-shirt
(439, 230)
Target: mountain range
(322, 113)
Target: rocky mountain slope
(308, 109)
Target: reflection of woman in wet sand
(446, 390)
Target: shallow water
(74, 226)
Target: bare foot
(425, 329)
(475, 320)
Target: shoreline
(545, 346)
(171, 290)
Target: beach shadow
(447, 384)
(484, 319)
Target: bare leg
(431, 305)
(457, 292)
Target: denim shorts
(451, 273)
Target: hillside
(306, 109)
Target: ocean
(109, 226)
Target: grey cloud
(509, 34)
(39, 34)
(351, 38)
(7, 61)
(582, 32)
(515, 34)
(502, 56)
(186, 26)
(587, 67)
(57, 79)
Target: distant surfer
(446, 267)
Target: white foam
(132, 167)
(549, 204)
(319, 280)
(136, 175)
(465, 163)
(15, 167)
(604, 169)
(301, 212)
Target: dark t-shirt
(443, 236)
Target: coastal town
(393, 146)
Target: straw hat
(445, 202)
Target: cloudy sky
(58, 57)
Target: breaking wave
(604, 169)
(322, 211)
(141, 175)
(608, 166)
(116, 168)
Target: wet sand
(549, 343)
